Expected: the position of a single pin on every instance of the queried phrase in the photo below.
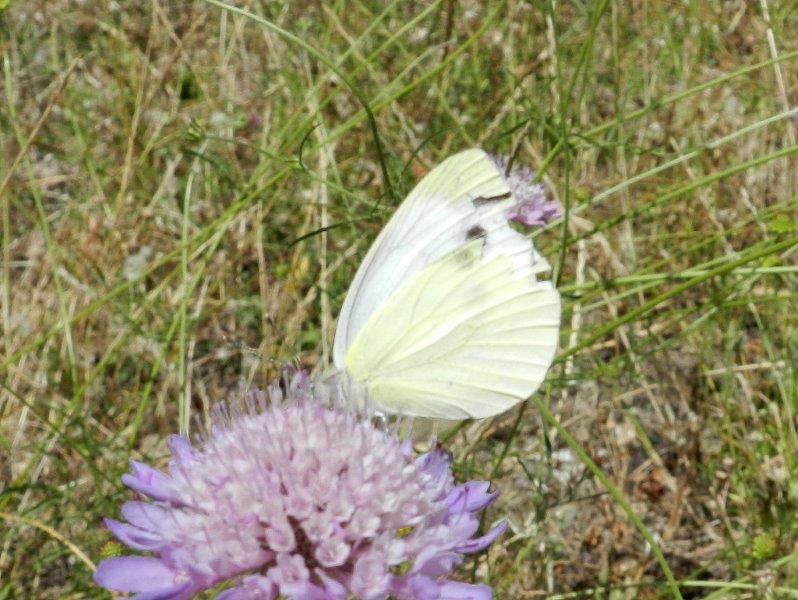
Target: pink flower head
(298, 498)
(532, 208)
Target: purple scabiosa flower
(298, 498)
(532, 208)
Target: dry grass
(153, 191)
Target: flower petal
(370, 578)
(308, 591)
(483, 542)
(183, 592)
(236, 593)
(471, 497)
(146, 480)
(138, 574)
(407, 447)
(416, 587)
(253, 587)
(461, 527)
(135, 538)
(436, 562)
(335, 589)
(434, 463)
(455, 590)
(145, 516)
(182, 451)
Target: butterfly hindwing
(461, 338)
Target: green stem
(675, 291)
(334, 68)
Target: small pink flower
(532, 208)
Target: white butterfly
(445, 317)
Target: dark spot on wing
(483, 200)
(477, 231)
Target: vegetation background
(187, 190)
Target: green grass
(186, 191)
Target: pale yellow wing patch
(467, 336)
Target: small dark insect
(477, 231)
(482, 200)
